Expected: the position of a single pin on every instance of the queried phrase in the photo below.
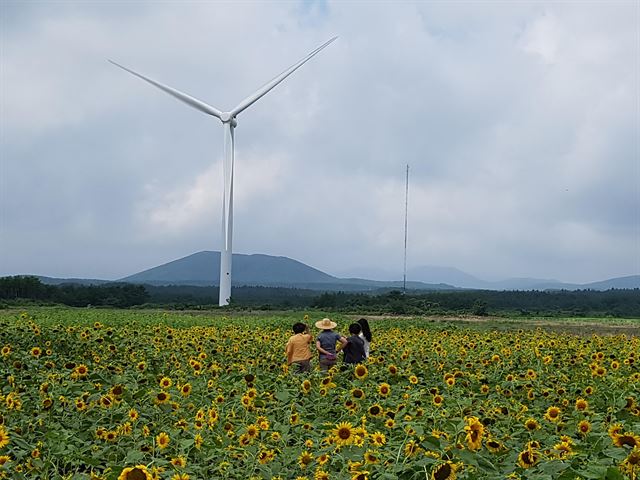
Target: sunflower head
(139, 472)
(360, 371)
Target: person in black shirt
(354, 349)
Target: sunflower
(179, 461)
(305, 459)
(531, 424)
(437, 400)
(384, 389)
(475, 433)
(360, 372)
(444, 471)
(106, 401)
(413, 379)
(253, 431)
(581, 404)
(615, 430)
(357, 393)
(305, 386)
(584, 427)
(81, 371)
(4, 459)
(185, 389)
(375, 410)
(162, 397)
(493, 446)
(139, 472)
(162, 440)
(244, 440)
(378, 439)
(552, 414)
(411, 448)
(265, 456)
(393, 370)
(4, 437)
(322, 459)
(320, 475)
(563, 449)
(343, 433)
(528, 458)
(631, 464)
(628, 438)
(390, 423)
(364, 475)
(371, 457)
(599, 371)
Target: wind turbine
(229, 123)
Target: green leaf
(615, 453)
(283, 395)
(469, 457)
(594, 472)
(614, 474)
(134, 457)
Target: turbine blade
(266, 88)
(183, 97)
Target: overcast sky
(520, 122)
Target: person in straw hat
(326, 343)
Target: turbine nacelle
(228, 117)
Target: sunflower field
(140, 395)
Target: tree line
(580, 303)
(120, 295)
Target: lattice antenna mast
(406, 217)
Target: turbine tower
(229, 123)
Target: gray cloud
(519, 122)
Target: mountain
(452, 276)
(632, 281)
(203, 268)
(458, 278)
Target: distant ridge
(202, 269)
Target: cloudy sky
(519, 122)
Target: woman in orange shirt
(297, 349)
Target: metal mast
(406, 211)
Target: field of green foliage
(140, 395)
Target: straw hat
(326, 324)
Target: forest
(581, 303)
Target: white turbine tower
(229, 122)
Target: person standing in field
(297, 349)
(366, 336)
(326, 343)
(354, 349)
